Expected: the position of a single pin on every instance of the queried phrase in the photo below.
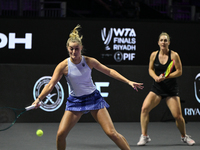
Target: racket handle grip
(31, 107)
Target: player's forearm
(118, 76)
(46, 90)
(175, 74)
(152, 74)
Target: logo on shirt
(53, 100)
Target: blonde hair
(165, 34)
(74, 36)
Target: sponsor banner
(43, 41)
(21, 84)
(120, 44)
(12, 40)
(192, 111)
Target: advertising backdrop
(20, 84)
(43, 41)
(30, 49)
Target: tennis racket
(9, 115)
(169, 69)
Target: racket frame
(23, 110)
(172, 63)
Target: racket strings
(8, 117)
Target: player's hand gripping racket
(8, 116)
(169, 69)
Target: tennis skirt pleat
(85, 103)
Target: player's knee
(178, 117)
(60, 136)
(144, 110)
(112, 134)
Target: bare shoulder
(63, 63)
(174, 55)
(63, 66)
(87, 58)
(91, 62)
(153, 55)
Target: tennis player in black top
(163, 88)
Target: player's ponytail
(74, 36)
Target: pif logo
(118, 56)
(122, 40)
(12, 40)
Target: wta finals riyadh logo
(197, 87)
(108, 38)
(120, 42)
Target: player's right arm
(178, 65)
(61, 68)
(151, 67)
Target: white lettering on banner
(13, 40)
(124, 39)
(102, 84)
(129, 56)
(125, 32)
(124, 47)
(192, 111)
(27, 41)
(3, 39)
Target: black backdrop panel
(111, 42)
(17, 82)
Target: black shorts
(165, 92)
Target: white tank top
(79, 78)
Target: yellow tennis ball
(39, 132)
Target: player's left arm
(93, 63)
(177, 65)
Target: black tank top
(160, 68)
(168, 87)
